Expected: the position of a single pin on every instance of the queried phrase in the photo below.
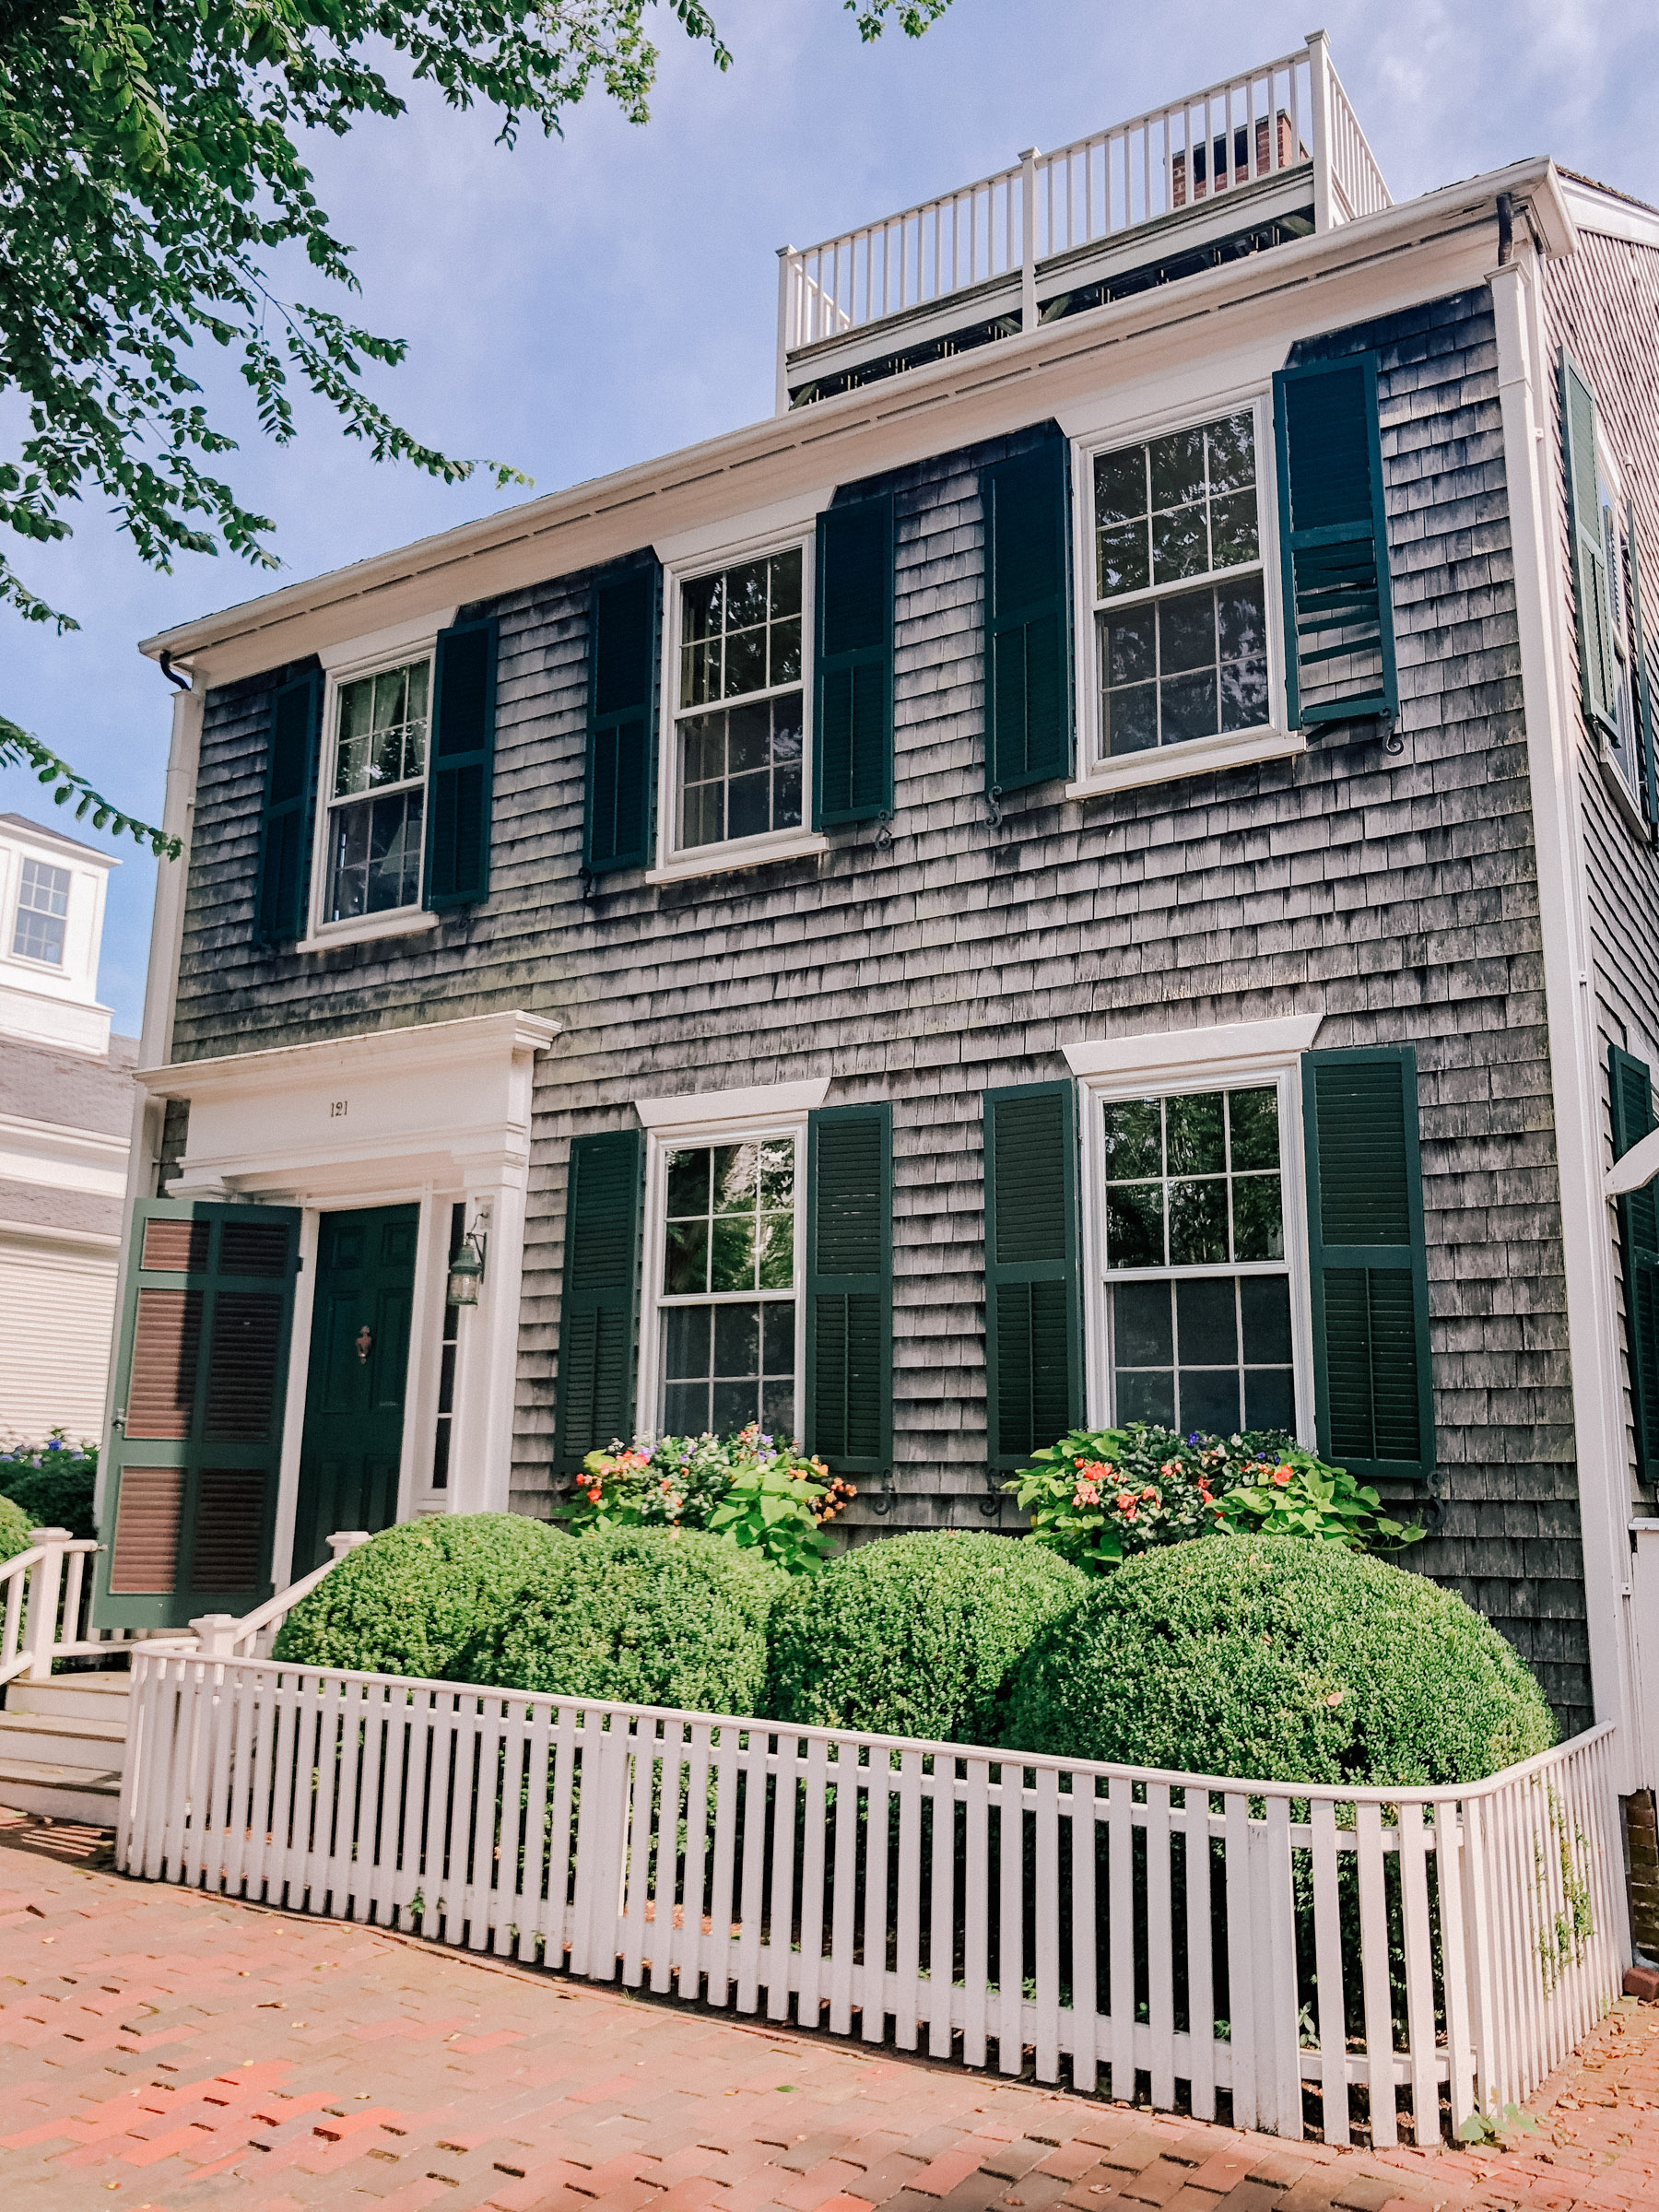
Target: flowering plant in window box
(754, 1490)
(1099, 1496)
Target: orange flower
(1281, 1478)
(1125, 1501)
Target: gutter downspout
(160, 997)
(1598, 1425)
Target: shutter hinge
(884, 831)
(991, 798)
(118, 1418)
(889, 1497)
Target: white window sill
(1628, 805)
(742, 853)
(1197, 757)
(407, 923)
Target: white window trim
(675, 863)
(716, 1118)
(345, 664)
(1195, 1060)
(1198, 756)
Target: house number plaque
(336, 1109)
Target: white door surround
(435, 1114)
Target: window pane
(1125, 563)
(736, 1168)
(777, 1174)
(1142, 1330)
(1147, 1396)
(735, 1405)
(786, 584)
(777, 1408)
(746, 596)
(1120, 483)
(1196, 1139)
(1198, 1223)
(776, 1255)
(1233, 534)
(689, 1183)
(1258, 1222)
(1180, 545)
(1231, 444)
(785, 652)
(1252, 1118)
(1206, 1321)
(1134, 1225)
(1177, 464)
(732, 1253)
(1130, 720)
(1129, 646)
(703, 815)
(1264, 1303)
(1134, 1140)
(686, 1342)
(686, 1262)
(703, 605)
(778, 1337)
(1209, 1400)
(745, 662)
(736, 1340)
(748, 805)
(686, 1409)
(1188, 704)
(1269, 1399)
(1186, 633)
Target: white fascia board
(382, 644)
(1230, 1049)
(1608, 215)
(734, 535)
(730, 1108)
(422, 1045)
(1393, 259)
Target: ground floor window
(726, 1305)
(1199, 1318)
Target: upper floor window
(1180, 603)
(42, 904)
(377, 791)
(740, 716)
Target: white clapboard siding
(54, 1350)
(1344, 1959)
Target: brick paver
(180, 2051)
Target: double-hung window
(740, 730)
(1179, 599)
(376, 761)
(1199, 1332)
(42, 907)
(727, 1295)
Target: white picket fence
(1384, 1960)
(45, 1595)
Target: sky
(577, 305)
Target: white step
(102, 1696)
(89, 1746)
(60, 1793)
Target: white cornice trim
(762, 1102)
(1610, 216)
(424, 1045)
(1227, 1049)
(381, 644)
(734, 535)
(91, 1242)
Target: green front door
(358, 1379)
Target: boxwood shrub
(52, 1483)
(1267, 1657)
(14, 1526)
(642, 1616)
(916, 1635)
(420, 1598)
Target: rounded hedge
(14, 1527)
(1272, 1658)
(420, 1598)
(916, 1635)
(643, 1616)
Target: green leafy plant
(752, 1489)
(1489, 2129)
(1272, 1657)
(52, 1483)
(1562, 1934)
(14, 1527)
(1100, 1496)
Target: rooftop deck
(1274, 153)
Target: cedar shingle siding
(1396, 891)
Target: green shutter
(852, 723)
(1588, 528)
(1631, 1091)
(596, 1318)
(622, 664)
(459, 785)
(1033, 1324)
(850, 1288)
(1028, 619)
(1641, 686)
(200, 1383)
(290, 800)
(1340, 641)
(1373, 1397)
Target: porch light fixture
(466, 1269)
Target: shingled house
(1099, 863)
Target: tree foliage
(150, 171)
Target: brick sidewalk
(184, 2051)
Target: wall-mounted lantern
(467, 1268)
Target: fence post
(788, 281)
(45, 1583)
(1027, 238)
(343, 1541)
(1319, 83)
(215, 1635)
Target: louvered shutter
(849, 1418)
(460, 781)
(1632, 1092)
(1340, 641)
(1588, 525)
(852, 724)
(1641, 679)
(597, 1319)
(622, 664)
(1028, 619)
(1033, 1329)
(288, 817)
(1369, 1270)
(202, 1369)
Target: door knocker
(364, 1339)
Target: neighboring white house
(65, 1117)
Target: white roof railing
(1289, 115)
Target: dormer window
(43, 905)
(377, 791)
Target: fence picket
(373, 1797)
